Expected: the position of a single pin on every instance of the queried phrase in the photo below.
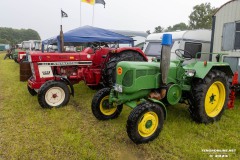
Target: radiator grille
(128, 79)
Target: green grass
(29, 132)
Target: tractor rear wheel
(109, 70)
(101, 108)
(53, 94)
(145, 122)
(31, 91)
(209, 97)
(97, 87)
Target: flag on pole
(101, 2)
(63, 14)
(92, 2)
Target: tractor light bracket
(118, 88)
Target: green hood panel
(202, 70)
(137, 76)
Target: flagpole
(80, 13)
(61, 16)
(93, 16)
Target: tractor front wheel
(145, 122)
(101, 108)
(209, 97)
(53, 94)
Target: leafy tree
(180, 26)
(15, 36)
(201, 17)
(148, 32)
(158, 29)
(4, 41)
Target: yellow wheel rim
(148, 124)
(215, 99)
(105, 108)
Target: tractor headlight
(190, 73)
(118, 88)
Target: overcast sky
(137, 15)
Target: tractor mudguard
(161, 105)
(203, 68)
(136, 49)
(69, 83)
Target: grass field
(29, 132)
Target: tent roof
(90, 34)
(130, 33)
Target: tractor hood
(59, 57)
(136, 76)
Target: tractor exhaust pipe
(61, 40)
(165, 62)
(164, 66)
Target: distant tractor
(19, 55)
(54, 74)
(148, 87)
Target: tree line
(200, 18)
(14, 36)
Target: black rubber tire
(49, 85)
(135, 118)
(96, 102)
(109, 70)
(198, 95)
(31, 91)
(97, 87)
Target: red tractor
(32, 45)
(53, 74)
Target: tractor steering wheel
(183, 54)
(95, 46)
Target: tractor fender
(202, 70)
(69, 83)
(135, 49)
(161, 105)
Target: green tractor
(148, 88)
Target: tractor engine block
(68, 71)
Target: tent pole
(80, 13)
